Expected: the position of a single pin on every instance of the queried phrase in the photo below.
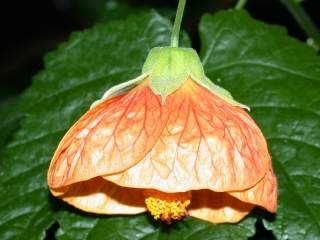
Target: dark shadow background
(32, 28)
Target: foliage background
(33, 28)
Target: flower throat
(167, 207)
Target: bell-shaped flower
(169, 142)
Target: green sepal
(119, 89)
(169, 67)
(221, 92)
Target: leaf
(10, 117)
(142, 227)
(75, 75)
(279, 78)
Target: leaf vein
(269, 65)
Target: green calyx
(168, 68)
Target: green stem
(303, 19)
(177, 24)
(240, 4)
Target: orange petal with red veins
(109, 138)
(100, 196)
(206, 144)
(263, 194)
(217, 207)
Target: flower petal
(100, 196)
(264, 193)
(109, 138)
(207, 144)
(217, 207)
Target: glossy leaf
(10, 117)
(279, 79)
(142, 227)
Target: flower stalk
(303, 20)
(240, 4)
(177, 24)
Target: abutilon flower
(169, 142)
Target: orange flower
(178, 149)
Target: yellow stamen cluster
(167, 206)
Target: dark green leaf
(10, 117)
(142, 227)
(279, 78)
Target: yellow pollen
(167, 206)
